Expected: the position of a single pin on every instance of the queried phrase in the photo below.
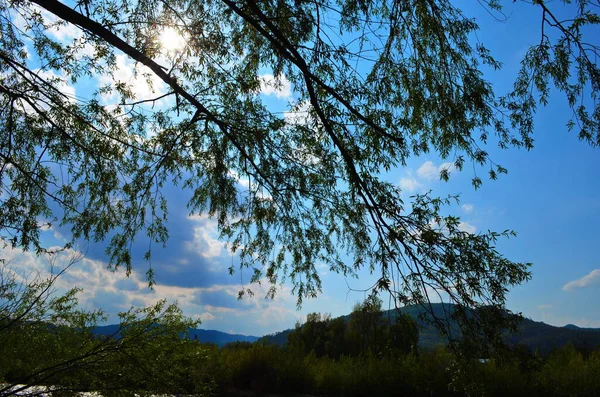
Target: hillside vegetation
(367, 354)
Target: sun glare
(171, 40)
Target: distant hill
(545, 338)
(218, 337)
(538, 336)
(573, 326)
(202, 335)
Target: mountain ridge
(536, 335)
(201, 335)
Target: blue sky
(550, 197)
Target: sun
(171, 41)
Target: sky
(550, 197)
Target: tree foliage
(374, 83)
(48, 341)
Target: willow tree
(374, 82)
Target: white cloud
(134, 75)
(100, 285)
(103, 288)
(62, 32)
(205, 242)
(447, 166)
(467, 227)
(58, 81)
(409, 184)
(429, 171)
(589, 279)
(299, 114)
(253, 314)
(280, 87)
(206, 316)
(113, 292)
(243, 182)
(468, 208)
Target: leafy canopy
(49, 341)
(375, 83)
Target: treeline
(166, 365)
(366, 332)
(272, 369)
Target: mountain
(545, 338)
(573, 326)
(278, 338)
(202, 335)
(538, 336)
(218, 337)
